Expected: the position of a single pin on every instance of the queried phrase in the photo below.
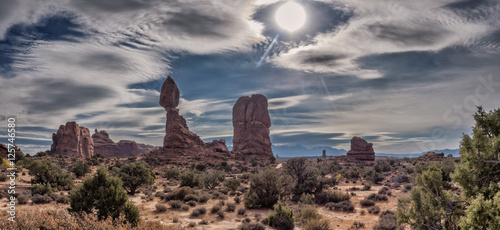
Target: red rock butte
(251, 124)
(361, 150)
(73, 140)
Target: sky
(405, 75)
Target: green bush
(63, 200)
(374, 210)
(105, 194)
(230, 207)
(283, 218)
(23, 199)
(171, 173)
(80, 169)
(189, 179)
(251, 226)
(367, 203)
(306, 213)
(161, 208)
(215, 209)
(192, 203)
(41, 189)
(39, 199)
(45, 172)
(266, 187)
(179, 193)
(387, 221)
(212, 179)
(242, 211)
(135, 174)
(232, 184)
(334, 196)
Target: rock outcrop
(432, 156)
(108, 148)
(251, 124)
(361, 150)
(178, 138)
(4, 150)
(72, 139)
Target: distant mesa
(251, 124)
(432, 156)
(178, 139)
(72, 140)
(361, 150)
(108, 148)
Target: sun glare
(290, 16)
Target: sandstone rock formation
(251, 124)
(432, 156)
(4, 150)
(108, 148)
(72, 139)
(177, 134)
(361, 150)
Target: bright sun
(290, 16)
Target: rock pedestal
(361, 150)
(72, 139)
(251, 124)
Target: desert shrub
(203, 222)
(215, 209)
(237, 200)
(376, 197)
(179, 193)
(54, 196)
(201, 167)
(251, 226)
(367, 203)
(331, 196)
(306, 179)
(408, 187)
(230, 207)
(212, 179)
(401, 179)
(387, 221)
(367, 187)
(3, 177)
(80, 169)
(358, 224)
(41, 189)
(345, 206)
(374, 176)
(171, 173)
(175, 204)
(184, 207)
(160, 194)
(192, 203)
(41, 199)
(242, 211)
(317, 224)
(195, 213)
(191, 197)
(306, 198)
(382, 166)
(384, 190)
(190, 179)
(232, 184)
(161, 208)
(23, 199)
(283, 218)
(221, 214)
(265, 189)
(135, 174)
(46, 172)
(63, 200)
(202, 210)
(105, 194)
(204, 198)
(374, 210)
(306, 213)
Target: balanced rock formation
(361, 150)
(72, 139)
(177, 134)
(108, 148)
(432, 156)
(251, 124)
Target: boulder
(251, 124)
(361, 150)
(73, 140)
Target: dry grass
(62, 219)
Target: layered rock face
(361, 150)
(177, 134)
(251, 124)
(72, 139)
